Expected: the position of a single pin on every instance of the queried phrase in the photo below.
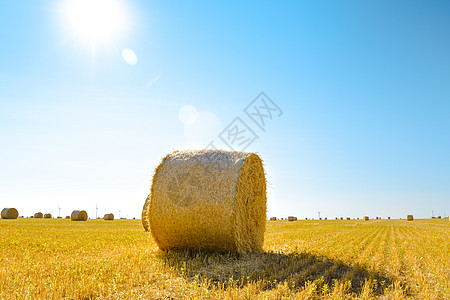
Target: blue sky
(364, 88)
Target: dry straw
(67, 217)
(79, 215)
(145, 214)
(108, 217)
(292, 218)
(273, 218)
(38, 215)
(348, 218)
(366, 218)
(47, 216)
(209, 200)
(9, 213)
(409, 217)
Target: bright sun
(95, 21)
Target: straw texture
(38, 215)
(366, 218)
(145, 215)
(209, 200)
(292, 218)
(9, 213)
(47, 216)
(108, 217)
(79, 215)
(409, 217)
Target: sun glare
(95, 21)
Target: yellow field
(60, 259)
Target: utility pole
(119, 214)
(96, 209)
(319, 214)
(59, 211)
(432, 214)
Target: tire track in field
(351, 245)
(424, 281)
(369, 248)
(378, 250)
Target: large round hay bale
(348, 218)
(67, 217)
(366, 218)
(108, 217)
(291, 218)
(9, 213)
(145, 215)
(38, 215)
(79, 215)
(409, 217)
(209, 200)
(48, 216)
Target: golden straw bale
(291, 218)
(38, 215)
(79, 215)
(366, 218)
(348, 218)
(209, 200)
(145, 215)
(273, 218)
(9, 213)
(409, 217)
(48, 216)
(108, 217)
(67, 217)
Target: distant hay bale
(337, 218)
(79, 215)
(348, 218)
(145, 214)
(38, 215)
(59, 217)
(342, 218)
(291, 218)
(9, 213)
(410, 218)
(439, 217)
(273, 218)
(47, 216)
(67, 217)
(209, 200)
(108, 217)
(389, 218)
(366, 218)
(326, 219)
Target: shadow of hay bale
(270, 269)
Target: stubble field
(97, 259)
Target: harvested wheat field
(302, 260)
